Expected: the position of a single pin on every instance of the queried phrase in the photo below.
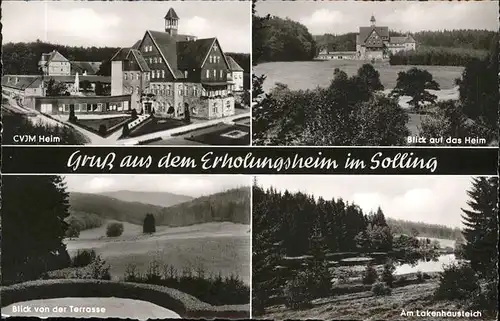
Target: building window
(218, 59)
(215, 48)
(195, 91)
(210, 59)
(221, 72)
(125, 75)
(185, 74)
(163, 74)
(137, 76)
(157, 74)
(208, 73)
(215, 73)
(169, 90)
(180, 91)
(152, 73)
(150, 60)
(155, 60)
(137, 89)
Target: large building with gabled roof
(374, 42)
(168, 73)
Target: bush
(297, 292)
(131, 273)
(153, 274)
(420, 276)
(99, 270)
(114, 229)
(457, 282)
(125, 130)
(387, 273)
(83, 258)
(370, 275)
(319, 280)
(380, 289)
(102, 130)
(72, 231)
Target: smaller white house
(54, 64)
(236, 74)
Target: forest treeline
(466, 39)
(437, 56)
(277, 39)
(230, 206)
(22, 58)
(424, 229)
(301, 224)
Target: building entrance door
(148, 107)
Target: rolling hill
(163, 199)
(229, 206)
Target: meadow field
(311, 74)
(214, 247)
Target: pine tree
(33, 230)
(481, 226)
(379, 218)
(149, 225)
(266, 249)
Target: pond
(82, 308)
(432, 266)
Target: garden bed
(157, 125)
(224, 135)
(112, 124)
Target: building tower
(171, 22)
(372, 20)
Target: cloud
(81, 24)
(197, 26)
(99, 184)
(323, 19)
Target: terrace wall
(183, 304)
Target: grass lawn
(112, 124)
(222, 134)
(156, 125)
(366, 306)
(216, 247)
(311, 74)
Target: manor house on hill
(372, 42)
(375, 43)
(167, 73)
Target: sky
(429, 199)
(121, 24)
(189, 185)
(339, 17)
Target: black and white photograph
(126, 73)
(375, 73)
(374, 247)
(126, 246)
